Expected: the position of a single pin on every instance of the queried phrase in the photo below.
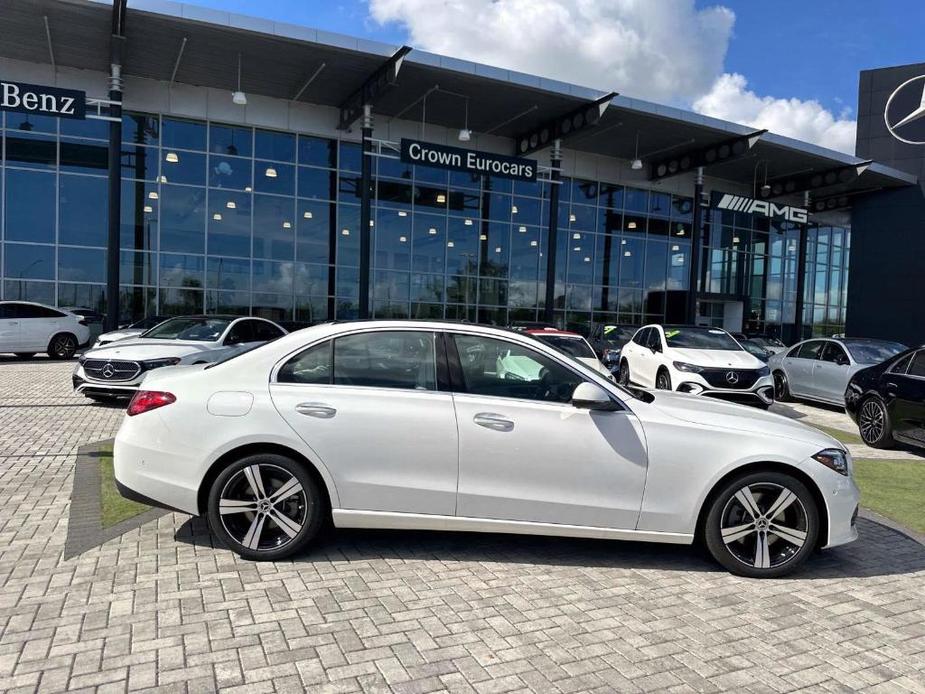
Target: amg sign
(766, 208)
(47, 101)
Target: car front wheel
(663, 380)
(874, 424)
(266, 507)
(624, 373)
(62, 346)
(781, 387)
(762, 525)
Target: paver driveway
(416, 612)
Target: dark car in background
(887, 401)
(756, 350)
(607, 340)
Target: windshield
(195, 329)
(573, 346)
(618, 334)
(768, 342)
(147, 323)
(873, 351)
(753, 348)
(700, 338)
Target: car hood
(748, 420)
(120, 334)
(719, 358)
(139, 350)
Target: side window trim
(908, 359)
(916, 355)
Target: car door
(527, 454)
(10, 339)
(38, 325)
(798, 365)
(368, 406)
(907, 393)
(831, 372)
(642, 368)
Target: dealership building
(191, 160)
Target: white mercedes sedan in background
(400, 424)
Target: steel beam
(562, 127)
(691, 159)
(789, 185)
(368, 93)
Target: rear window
(572, 346)
(700, 338)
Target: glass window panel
(607, 253)
(659, 203)
(498, 207)
(275, 307)
(431, 199)
(136, 267)
(394, 168)
(184, 167)
(84, 157)
(317, 151)
(581, 258)
(229, 223)
(320, 184)
(180, 270)
(30, 122)
(461, 289)
(347, 282)
(631, 262)
(350, 156)
(274, 227)
(427, 287)
(533, 189)
(34, 152)
(678, 265)
(656, 265)
(525, 253)
(311, 309)
(658, 226)
(429, 243)
(682, 209)
(311, 279)
(274, 145)
(139, 215)
(634, 224)
(275, 278)
(230, 173)
(462, 203)
(394, 194)
(314, 228)
(348, 237)
(392, 239)
(526, 211)
(183, 134)
(183, 212)
(24, 290)
(270, 177)
(83, 210)
(429, 174)
(96, 129)
(462, 247)
(141, 128)
(30, 206)
(230, 140)
(179, 302)
(584, 192)
(81, 264)
(635, 200)
(492, 292)
(578, 297)
(139, 162)
(348, 189)
(494, 249)
(84, 295)
(234, 303)
(391, 286)
(22, 261)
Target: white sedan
(400, 424)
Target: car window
(655, 339)
(700, 338)
(809, 350)
(834, 353)
(508, 370)
(386, 359)
(266, 332)
(642, 337)
(900, 366)
(6, 311)
(873, 351)
(572, 346)
(918, 364)
(311, 366)
(240, 333)
(30, 311)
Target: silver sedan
(820, 369)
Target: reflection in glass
(29, 206)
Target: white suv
(27, 328)
(695, 360)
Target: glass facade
(232, 219)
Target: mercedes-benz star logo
(108, 371)
(906, 106)
(732, 377)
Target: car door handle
(492, 421)
(316, 409)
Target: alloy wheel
(871, 421)
(764, 525)
(662, 381)
(263, 507)
(63, 346)
(780, 386)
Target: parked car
(132, 330)
(696, 360)
(521, 326)
(27, 328)
(117, 369)
(607, 340)
(572, 344)
(756, 350)
(819, 369)
(398, 424)
(772, 344)
(887, 401)
(93, 318)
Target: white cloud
(667, 51)
(730, 99)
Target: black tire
(62, 346)
(303, 513)
(663, 380)
(781, 387)
(25, 355)
(624, 378)
(744, 554)
(874, 425)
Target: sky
(787, 65)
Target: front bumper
(88, 386)
(761, 393)
(841, 496)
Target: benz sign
(904, 113)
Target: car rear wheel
(62, 346)
(663, 380)
(781, 387)
(874, 424)
(762, 525)
(624, 373)
(266, 507)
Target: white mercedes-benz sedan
(401, 424)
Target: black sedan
(888, 400)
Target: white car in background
(133, 330)
(118, 368)
(572, 344)
(407, 424)
(696, 360)
(27, 328)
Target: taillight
(147, 400)
(82, 321)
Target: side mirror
(588, 396)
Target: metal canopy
(279, 59)
(373, 89)
(687, 160)
(814, 180)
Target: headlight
(689, 368)
(833, 458)
(764, 371)
(158, 363)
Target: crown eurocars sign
(765, 208)
(45, 101)
(469, 160)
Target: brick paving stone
(162, 609)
